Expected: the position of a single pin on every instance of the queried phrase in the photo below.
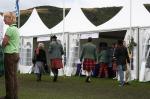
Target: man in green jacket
(88, 53)
(55, 53)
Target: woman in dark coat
(40, 60)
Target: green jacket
(88, 51)
(55, 50)
(103, 56)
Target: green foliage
(100, 15)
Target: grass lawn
(76, 88)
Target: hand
(81, 60)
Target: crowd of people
(111, 61)
(114, 59)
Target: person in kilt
(55, 53)
(88, 56)
(103, 60)
(40, 61)
(11, 55)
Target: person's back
(55, 53)
(55, 50)
(122, 55)
(89, 51)
(103, 56)
(88, 55)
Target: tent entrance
(112, 36)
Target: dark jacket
(41, 56)
(121, 55)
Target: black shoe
(55, 79)
(88, 80)
(127, 83)
(38, 79)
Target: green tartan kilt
(1, 61)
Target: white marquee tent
(125, 19)
(139, 17)
(132, 22)
(82, 24)
(75, 21)
(34, 26)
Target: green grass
(76, 88)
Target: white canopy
(34, 26)
(139, 17)
(75, 21)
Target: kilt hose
(11, 84)
(88, 64)
(56, 63)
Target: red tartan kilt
(88, 64)
(56, 63)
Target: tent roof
(9, 5)
(75, 21)
(139, 17)
(34, 26)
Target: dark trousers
(11, 84)
(55, 72)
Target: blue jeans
(121, 74)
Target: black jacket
(121, 55)
(40, 57)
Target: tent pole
(138, 51)
(130, 17)
(64, 45)
(63, 22)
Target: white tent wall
(1, 29)
(73, 56)
(144, 69)
(134, 69)
(25, 62)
